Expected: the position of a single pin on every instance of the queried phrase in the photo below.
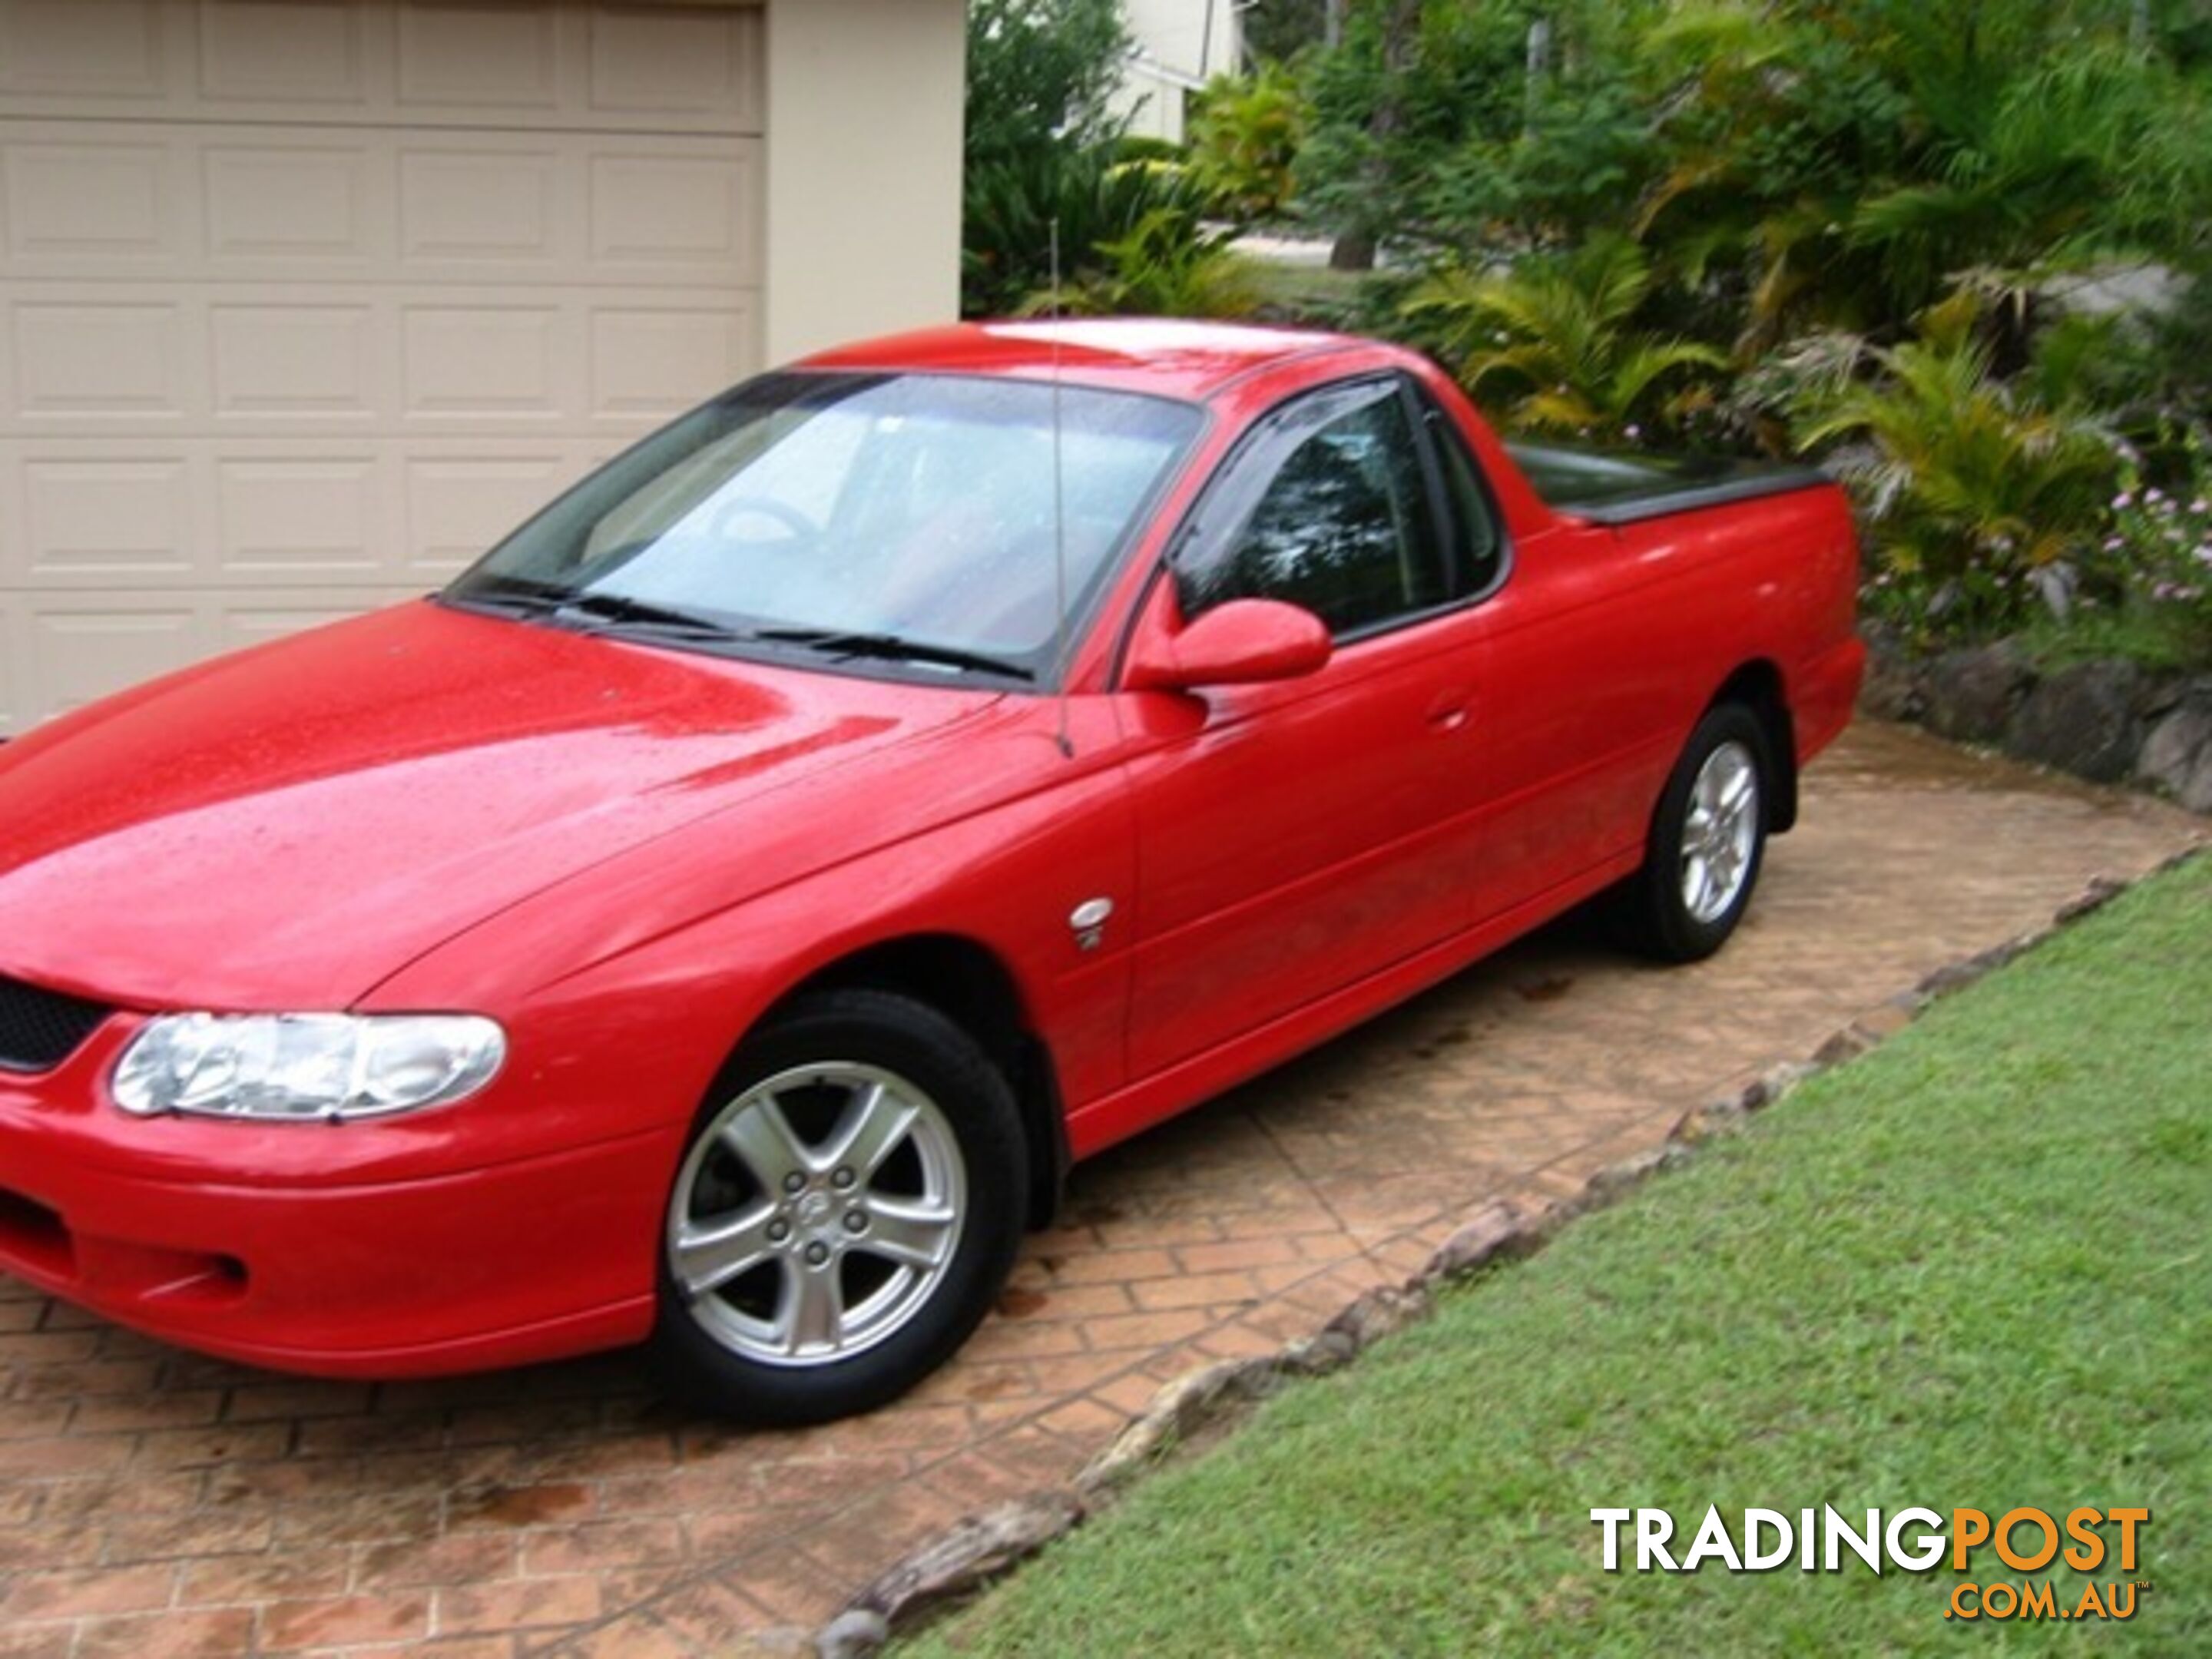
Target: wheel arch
(970, 984)
(1758, 686)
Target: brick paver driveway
(152, 1503)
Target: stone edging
(980, 1548)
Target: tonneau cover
(1612, 487)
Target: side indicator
(1089, 919)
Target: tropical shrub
(1845, 160)
(1245, 136)
(1166, 265)
(1985, 504)
(1012, 206)
(1554, 336)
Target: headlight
(305, 1067)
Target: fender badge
(1089, 921)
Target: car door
(1295, 837)
(1583, 678)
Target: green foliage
(1276, 31)
(1796, 226)
(1983, 501)
(1039, 73)
(1167, 264)
(1583, 151)
(1431, 127)
(1554, 334)
(1144, 146)
(2059, 162)
(1768, 139)
(1409, 85)
(1013, 205)
(1044, 155)
(1807, 181)
(1245, 138)
(1791, 164)
(1845, 162)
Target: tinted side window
(1329, 511)
(1480, 540)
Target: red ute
(720, 915)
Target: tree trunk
(1353, 250)
(1355, 247)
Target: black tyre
(1708, 841)
(848, 1205)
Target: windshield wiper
(666, 619)
(892, 647)
(534, 596)
(524, 595)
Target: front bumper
(218, 1237)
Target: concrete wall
(863, 196)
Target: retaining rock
(2083, 719)
(1971, 696)
(1892, 690)
(2108, 721)
(2177, 757)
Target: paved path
(154, 1504)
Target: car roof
(1168, 357)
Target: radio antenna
(1059, 516)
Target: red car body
(627, 853)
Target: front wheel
(848, 1205)
(1708, 840)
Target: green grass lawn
(1971, 1269)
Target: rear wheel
(1708, 841)
(848, 1205)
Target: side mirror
(1242, 642)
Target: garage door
(304, 302)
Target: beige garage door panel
(668, 67)
(301, 305)
(115, 518)
(247, 359)
(179, 202)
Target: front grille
(38, 1028)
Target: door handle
(1449, 713)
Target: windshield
(905, 517)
